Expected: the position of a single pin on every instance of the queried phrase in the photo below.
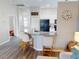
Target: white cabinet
(42, 40)
(38, 42)
(48, 41)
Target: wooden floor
(11, 50)
(30, 53)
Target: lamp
(77, 40)
(76, 36)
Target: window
(26, 22)
(26, 19)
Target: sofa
(68, 53)
(65, 55)
(75, 54)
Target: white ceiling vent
(20, 5)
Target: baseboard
(4, 42)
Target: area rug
(46, 57)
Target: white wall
(6, 10)
(78, 20)
(66, 28)
(48, 13)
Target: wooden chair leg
(24, 49)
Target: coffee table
(51, 52)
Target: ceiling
(36, 3)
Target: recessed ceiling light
(48, 5)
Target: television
(44, 25)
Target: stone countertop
(44, 34)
